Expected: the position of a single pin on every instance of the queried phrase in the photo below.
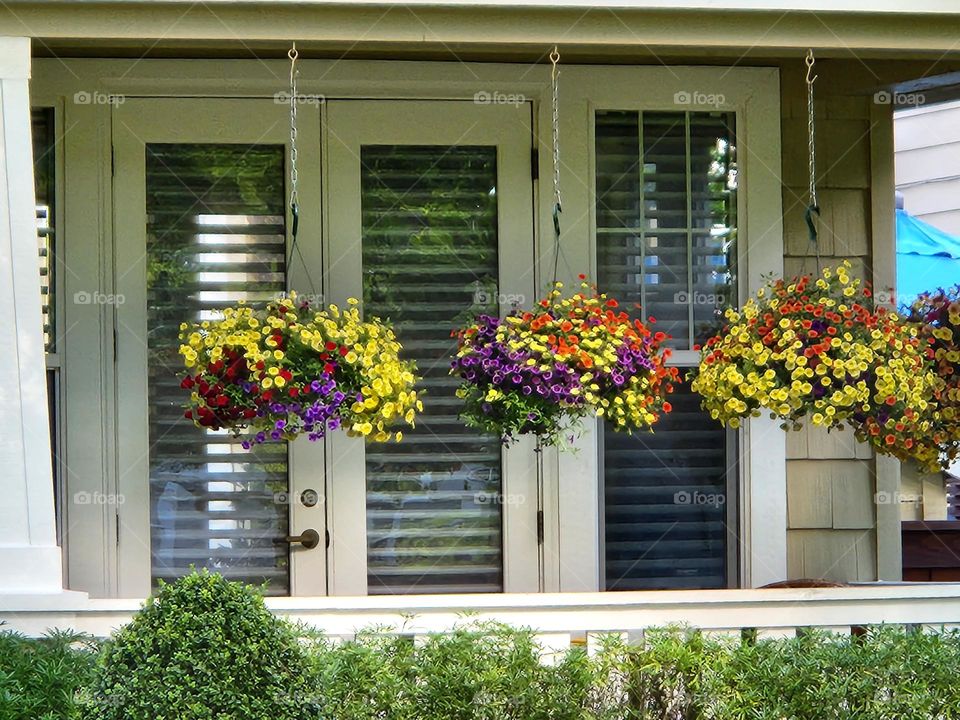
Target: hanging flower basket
(936, 316)
(820, 349)
(539, 372)
(288, 370)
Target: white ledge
(552, 613)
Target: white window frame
(572, 541)
(754, 95)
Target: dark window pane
(429, 248)
(666, 215)
(215, 235)
(666, 226)
(665, 496)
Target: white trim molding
(562, 618)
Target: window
(666, 232)
(44, 171)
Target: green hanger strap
(808, 217)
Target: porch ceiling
(610, 31)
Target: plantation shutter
(665, 495)
(215, 236)
(666, 230)
(429, 257)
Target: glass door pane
(429, 255)
(215, 235)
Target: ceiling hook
(810, 60)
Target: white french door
(200, 217)
(426, 213)
(429, 218)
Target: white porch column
(29, 556)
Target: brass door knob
(308, 538)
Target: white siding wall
(928, 163)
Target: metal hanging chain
(813, 206)
(555, 84)
(294, 198)
(557, 201)
(294, 176)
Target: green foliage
(202, 649)
(39, 679)
(207, 649)
(480, 672)
(886, 674)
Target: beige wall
(831, 478)
(928, 163)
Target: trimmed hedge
(202, 649)
(40, 678)
(207, 649)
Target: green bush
(885, 674)
(40, 678)
(480, 672)
(202, 649)
(207, 649)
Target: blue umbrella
(927, 258)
